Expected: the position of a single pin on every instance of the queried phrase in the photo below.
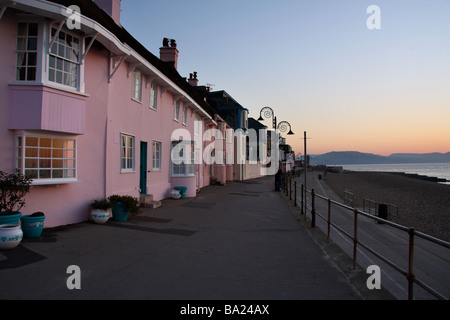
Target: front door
(143, 168)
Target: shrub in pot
(100, 211)
(13, 188)
(122, 206)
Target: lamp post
(268, 113)
(282, 127)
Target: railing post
(329, 219)
(301, 199)
(290, 189)
(410, 276)
(295, 193)
(313, 209)
(355, 237)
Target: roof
(91, 10)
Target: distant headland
(355, 157)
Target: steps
(146, 200)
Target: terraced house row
(87, 111)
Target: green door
(143, 168)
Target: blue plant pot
(32, 226)
(10, 218)
(119, 211)
(182, 190)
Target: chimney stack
(193, 81)
(169, 53)
(111, 7)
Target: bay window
(47, 159)
(64, 57)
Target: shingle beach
(423, 205)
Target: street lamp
(268, 113)
(283, 126)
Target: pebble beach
(423, 205)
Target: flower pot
(182, 191)
(175, 194)
(10, 236)
(32, 226)
(10, 217)
(100, 216)
(119, 211)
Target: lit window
(26, 49)
(156, 156)
(64, 59)
(46, 159)
(137, 85)
(127, 153)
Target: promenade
(235, 242)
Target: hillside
(355, 157)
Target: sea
(438, 170)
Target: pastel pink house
(88, 112)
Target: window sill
(48, 85)
(152, 108)
(53, 182)
(136, 100)
(127, 171)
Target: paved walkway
(239, 241)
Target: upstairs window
(177, 110)
(26, 50)
(154, 96)
(137, 86)
(64, 59)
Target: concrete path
(431, 261)
(234, 242)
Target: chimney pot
(169, 54)
(193, 81)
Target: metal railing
(411, 278)
(371, 207)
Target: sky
(318, 65)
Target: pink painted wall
(95, 120)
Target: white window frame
(185, 112)
(127, 161)
(136, 83)
(154, 96)
(177, 110)
(156, 155)
(185, 169)
(44, 39)
(65, 154)
(65, 61)
(26, 51)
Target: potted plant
(100, 210)
(122, 206)
(33, 224)
(13, 188)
